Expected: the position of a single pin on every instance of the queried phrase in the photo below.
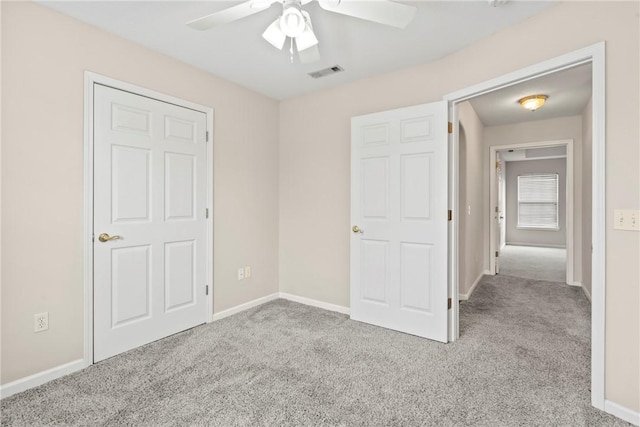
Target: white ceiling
(568, 90)
(544, 153)
(238, 53)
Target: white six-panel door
(399, 210)
(150, 198)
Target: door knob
(104, 237)
(357, 229)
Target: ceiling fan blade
(381, 11)
(231, 14)
(309, 55)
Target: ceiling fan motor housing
(292, 22)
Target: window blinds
(538, 201)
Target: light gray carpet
(522, 360)
(533, 262)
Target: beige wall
(587, 167)
(315, 146)
(545, 130)
(44, 57)
(472, 216)
(516, 236)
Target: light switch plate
(626, 219)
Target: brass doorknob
(104, 237)
(356, 229)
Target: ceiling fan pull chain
(291, 49)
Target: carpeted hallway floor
(532, 262)
(522, 360)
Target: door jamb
(595, 54)
(569, 200)
(91, 78)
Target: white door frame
(90, 79)
(569, 200)
(594, 54)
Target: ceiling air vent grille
(326, 71)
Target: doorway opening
(533, 208)
(592, 205)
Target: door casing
(594, 54)
(90, 79)
(569, 202)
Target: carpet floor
(533, 262)
(522, 360)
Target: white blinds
(538, 201)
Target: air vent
(326, 71)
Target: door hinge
(206, 290)
(206, 136)
(450, 215)
(449, 304)
(206, 213)
(497, 210)
(497, 165)
(450, 127)
(497, 254)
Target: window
(538, 201)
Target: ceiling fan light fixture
(533, 102)
(274, 35)
(292, 22)
(307, 39)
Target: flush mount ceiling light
(533, 102)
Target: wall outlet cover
(40, 322)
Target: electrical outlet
(247, 272)
(240, 273)
(40, 322)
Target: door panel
(130, 177)
(180, 189)
(179, 261)
(375, 189)
(375, 270)
(130, 284)
(416, 186)
(415, 278)
(399, 182)
(150, 192)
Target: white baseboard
(621, 412)
(242, 307)
(576, 284)
(315, 303)
(464, 297)
(586, 292)
(536, 245)
(40, 378)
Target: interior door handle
(104, 237)
(357, 229)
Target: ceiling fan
(295, 23)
